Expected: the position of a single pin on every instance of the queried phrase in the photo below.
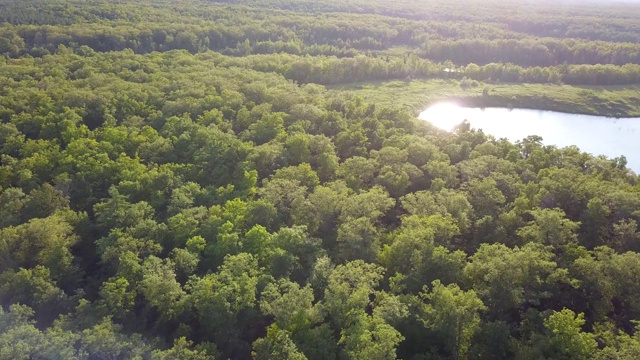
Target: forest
(180, 180)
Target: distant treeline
(333, 70)
(39, 29)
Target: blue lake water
(597, 135)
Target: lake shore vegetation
(415, 95)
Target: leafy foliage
(177, 183)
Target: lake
(596, 135)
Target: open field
(615, 101)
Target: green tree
(225, 303)
(453, 314)
(182, 350)
(45, 242)
(370, 338)
(417, 251)
(118, 297)
(291, 306)
(567, 340)
(276, 345)
(509, 279)
(549, 227)
(358, 172)
(161, 289)
(348, 290)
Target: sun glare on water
(445, 116)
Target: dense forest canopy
(585, 45)
(177, 182)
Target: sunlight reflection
(593, 134)
(445, 116)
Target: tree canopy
(179, 180)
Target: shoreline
(553, 106)
(417, 95)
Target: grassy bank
(618, 101)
